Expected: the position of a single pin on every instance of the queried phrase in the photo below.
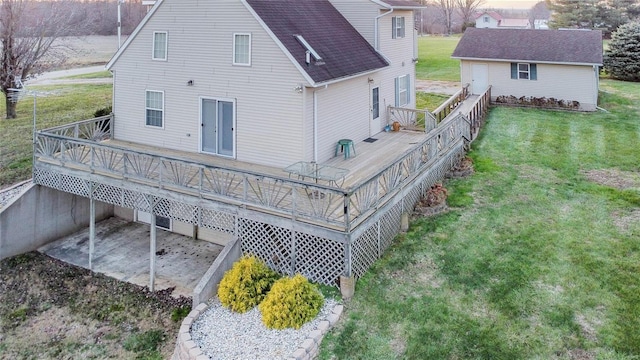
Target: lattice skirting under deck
(287, 249)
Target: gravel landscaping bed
(6, 195)
(223, 334)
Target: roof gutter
(376, 28)
(526, 61)
(315, 122)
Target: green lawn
(95, 75)
(533, 260)
(434, 58)
(55, 105)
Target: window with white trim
(486, 19)
(154, 105)
(397, 23)
(402, 90)
(159, 45)
(524, 71)
(375, 102)
(241, 49)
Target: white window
(241, 49)
(159, 45)
(523, 71)
(398, 27)
(154, 108)
(486, 19)
(375, 102)
(402, 90)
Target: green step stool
(345, 146)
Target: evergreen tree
(583, 14)
(622, 58)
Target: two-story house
(227, 119)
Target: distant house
(493, 20)
(488, 19)
(541, 24)
(554, 64)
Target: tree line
(606, 15)
(29, 30)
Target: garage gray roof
(551, 46)
(343, 51)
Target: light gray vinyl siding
(343, 113)
(269, 115)
(361, 14)
(566, 82)
(400, 54)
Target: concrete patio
(122, 252)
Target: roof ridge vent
(310, 51)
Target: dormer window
(159, 45)
(397, 27)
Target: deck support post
(152, 253)
(92, 230)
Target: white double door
(217, 121)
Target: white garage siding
(566, 82)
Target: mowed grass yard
(538, 256)
(56, 105)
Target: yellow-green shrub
(245, 284)
(291, 302)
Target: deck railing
(442, 111)
(476, 114)
(75, 146)
(413, 118)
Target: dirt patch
(626, 221)
(438, 87)
(614, 178)
(53, 310)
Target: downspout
(315, 122)
(377, 30)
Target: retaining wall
(42, 214)
(186, 348)
(208, 285)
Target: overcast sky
(510, 4)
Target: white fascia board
(135, 32)
(333, 81)
(526, 61)
(387, 6)
(280, 44)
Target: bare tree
(467, 8)
(447, 8)
(28, 33)
(539, 11)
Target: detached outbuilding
(555, 68)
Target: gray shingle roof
(553, 46)
(343, 50)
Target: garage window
(524, 71)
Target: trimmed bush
(245, 285)
(291, 303)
